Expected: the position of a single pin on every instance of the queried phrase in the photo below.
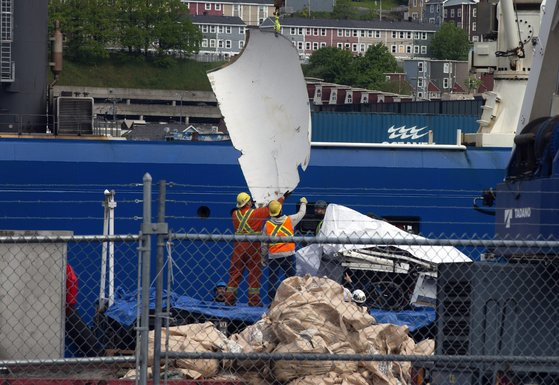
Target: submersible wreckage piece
(263, 97)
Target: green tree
(92, 26)
(332, 65)
(450, 43)
(373, 65)
(343, 10)
(88, 26)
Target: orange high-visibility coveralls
(247, 255)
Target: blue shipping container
(389, 128)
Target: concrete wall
(32, 297)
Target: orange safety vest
(283, 230)
(244, 228)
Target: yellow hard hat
(242, 199)
(274, 207)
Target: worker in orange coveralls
(247, 255)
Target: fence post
(159, 287)
(146, 250)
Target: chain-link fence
(361, 302)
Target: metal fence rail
(382, 307)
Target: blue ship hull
(59, 184)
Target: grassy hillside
(138, 72)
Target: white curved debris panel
(263, 98)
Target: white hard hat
(358, 296)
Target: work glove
(303, 200)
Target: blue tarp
(413, 319)
(124, 311)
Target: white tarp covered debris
(341, 221)
(263, 97)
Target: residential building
(463, 13)
(223, 36)
(415, 10)
(432, 79)
(433, 12)
(404, 39)
(252, 12)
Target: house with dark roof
(251, 12)
(404, 39)
(223, 36)
(432, 79)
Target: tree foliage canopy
(450, 43)
(340, 66)
(92, 27)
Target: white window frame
(228, 30)
(322, 44)
(419, 65)
(217, 7)
(205, 29)
(474, 25)
(414, 16)
(402, 35)
(419, 82)
(378, 34)
(322, 31)
(446, 68)
(340, 45)
(416, 49)
(409, 49)
(204, 43)
(354, 47)
(347, 46)
(308, 45)
(301, 31)
(339, 32)
(315, 31)
(446, 83)
(394, 34)
(423, 35)
(293, 31)
(355, 33)
(212, 28)
(241, 44)
(393, 48)
(220, 29)
(452, 12)
(228, 44)
(220, 43)
(300, 45)
(414, 3)
(315, 45)
(207, 7)
(424, 50)
(474, 12)
(241, 30)
(458, 12)
(347, 33)
(212, 43)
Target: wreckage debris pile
(308, 315)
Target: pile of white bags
(308, 315)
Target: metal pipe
(159, 287)
(146, 254)
(69, 238)
(409, 240)
(361, 357)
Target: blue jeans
(275, 266)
